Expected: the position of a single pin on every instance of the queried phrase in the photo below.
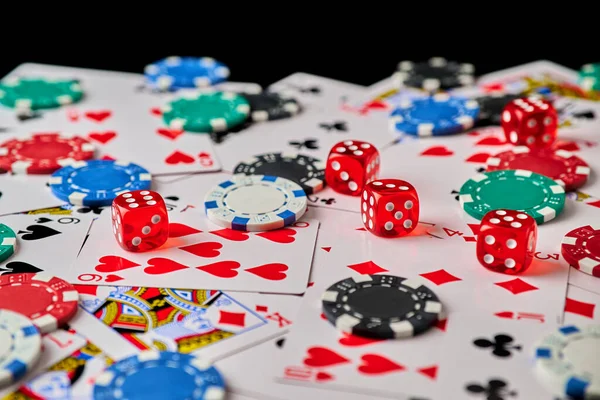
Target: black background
(361, 45)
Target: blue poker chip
(437, 115)
(185, 72)
(96, 183)
(154, 375)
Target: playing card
(581, 307)
(527, 76)
(116, 116)
(312, 134)
(493, 356)
(317, 93)
(213, 324)
(201, 255)
(57, 345)
(24, 192)
(48, 243)
(242, 377)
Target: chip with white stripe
(519, 190)
(381, 306)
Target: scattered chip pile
(514, 198)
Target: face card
(48, 243)
(24, 192)
(210, 323)
(203, 255)
(317, 93)
(57, 345)
(117, 117)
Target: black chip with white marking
(306, 171)
(435, 74)
(491, 107)
(381, 306)
(270, 106)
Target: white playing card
(582, 307)
(56, 346)
(48, 243)
(492, 355)
(317, 93)
(536, 69)
(117, 117)
(24, 192)
(243, 377)
(312, 134)
(201, 255)
(212, 324)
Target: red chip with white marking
(570, 171)
(48, 301)
(581, 249)
(43, 153)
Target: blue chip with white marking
(255, 203)
(20, 347)
(154, 375)
(96, 183)
(437, 115)
(185, 72)
(567, 362)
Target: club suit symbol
(496, 389)
(502, 345)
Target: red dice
(390, 207)
(532, 122)
(506, 241)
(350, 165)
(140, 221)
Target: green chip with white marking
(526, 191)
(206, 112)
(589, 77)
(35, 94)
(8, 242)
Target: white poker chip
(20, 346)
(255, 203)
(567, 362)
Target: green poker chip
(8, 242)
(206, 112)
(35, 94)
(526, 191)
(589, 77)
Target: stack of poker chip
(216, 111)
(30, 305)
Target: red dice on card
(390, 207)
(140, 221)
(531, 122)
(506, 241)
(350, 165)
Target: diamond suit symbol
(516, 286)
(367, 268)
(440, 277)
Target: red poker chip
(48, 301)
(43, 153)
(581, 249)
(564, 167)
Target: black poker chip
(491, 107)
(306, 171)
(381, 306)
(435, 74)
(270, 106)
